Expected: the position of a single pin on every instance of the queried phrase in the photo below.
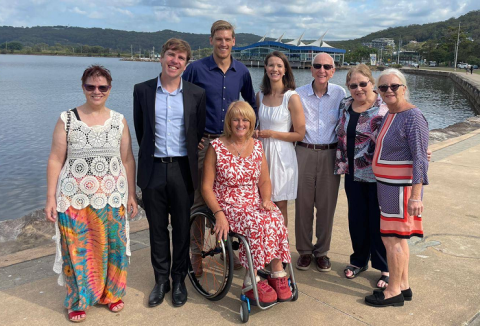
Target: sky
(341, 19)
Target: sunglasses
(101, 88)
(361, 84)
(393, 87)
(319, 66)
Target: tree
(11, 46)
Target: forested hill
(122, 40)
(107, 38)
(470, 26)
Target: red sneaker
(280, 285)
(266, 295)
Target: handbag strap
(69, 118)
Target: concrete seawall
(470, 84)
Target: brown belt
(318, 146)
(211, 136)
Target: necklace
(239, 152)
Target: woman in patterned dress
(357, 130)
(280, 109)
(236, 187)
(90, 190)
(400, 165)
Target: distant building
(300, 55)
(380, 43)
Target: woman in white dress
(280, 108)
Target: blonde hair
(242, 109)
(220, 25)
(399, 75)
(361, 69)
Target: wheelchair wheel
(244, 313)
(215, 281)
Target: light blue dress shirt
(169, 122)
(321, 113)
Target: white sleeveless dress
(281, 157)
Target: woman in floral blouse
(362, 114)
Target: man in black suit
(169, 116)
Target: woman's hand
(267, 205)
(51, 210)
(255, 134)
(132, 206)
(415, 207)
(429, 155)
(221, 226)
(265, 133)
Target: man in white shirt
(317, 185)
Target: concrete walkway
(443, 270)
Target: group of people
(199, 145)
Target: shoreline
(468, 83)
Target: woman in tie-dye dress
(90, 188)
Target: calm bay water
(35, 89)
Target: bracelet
(220, 210)
(410, 199)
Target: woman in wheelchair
(237, 189)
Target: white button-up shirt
(321, 113)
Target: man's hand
(200, 144)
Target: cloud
(95, 15)
(78, 11)
(166, 15)
(124, 11)
(344, 19)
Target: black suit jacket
(144, 120)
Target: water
(35, 89)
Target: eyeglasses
(393, 87)
(361, 84)
(319, 66)
(101, 88)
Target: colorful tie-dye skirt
(94, 255)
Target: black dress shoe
(407, 294)
(179, 294)
(377, 299)
(158, 293)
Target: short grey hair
(313, 60)
(399, 75)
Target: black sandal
(384, 278)
(355, 271)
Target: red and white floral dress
(236, 190)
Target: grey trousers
(317, 187)
(196, 233)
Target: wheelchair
(217, 275)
